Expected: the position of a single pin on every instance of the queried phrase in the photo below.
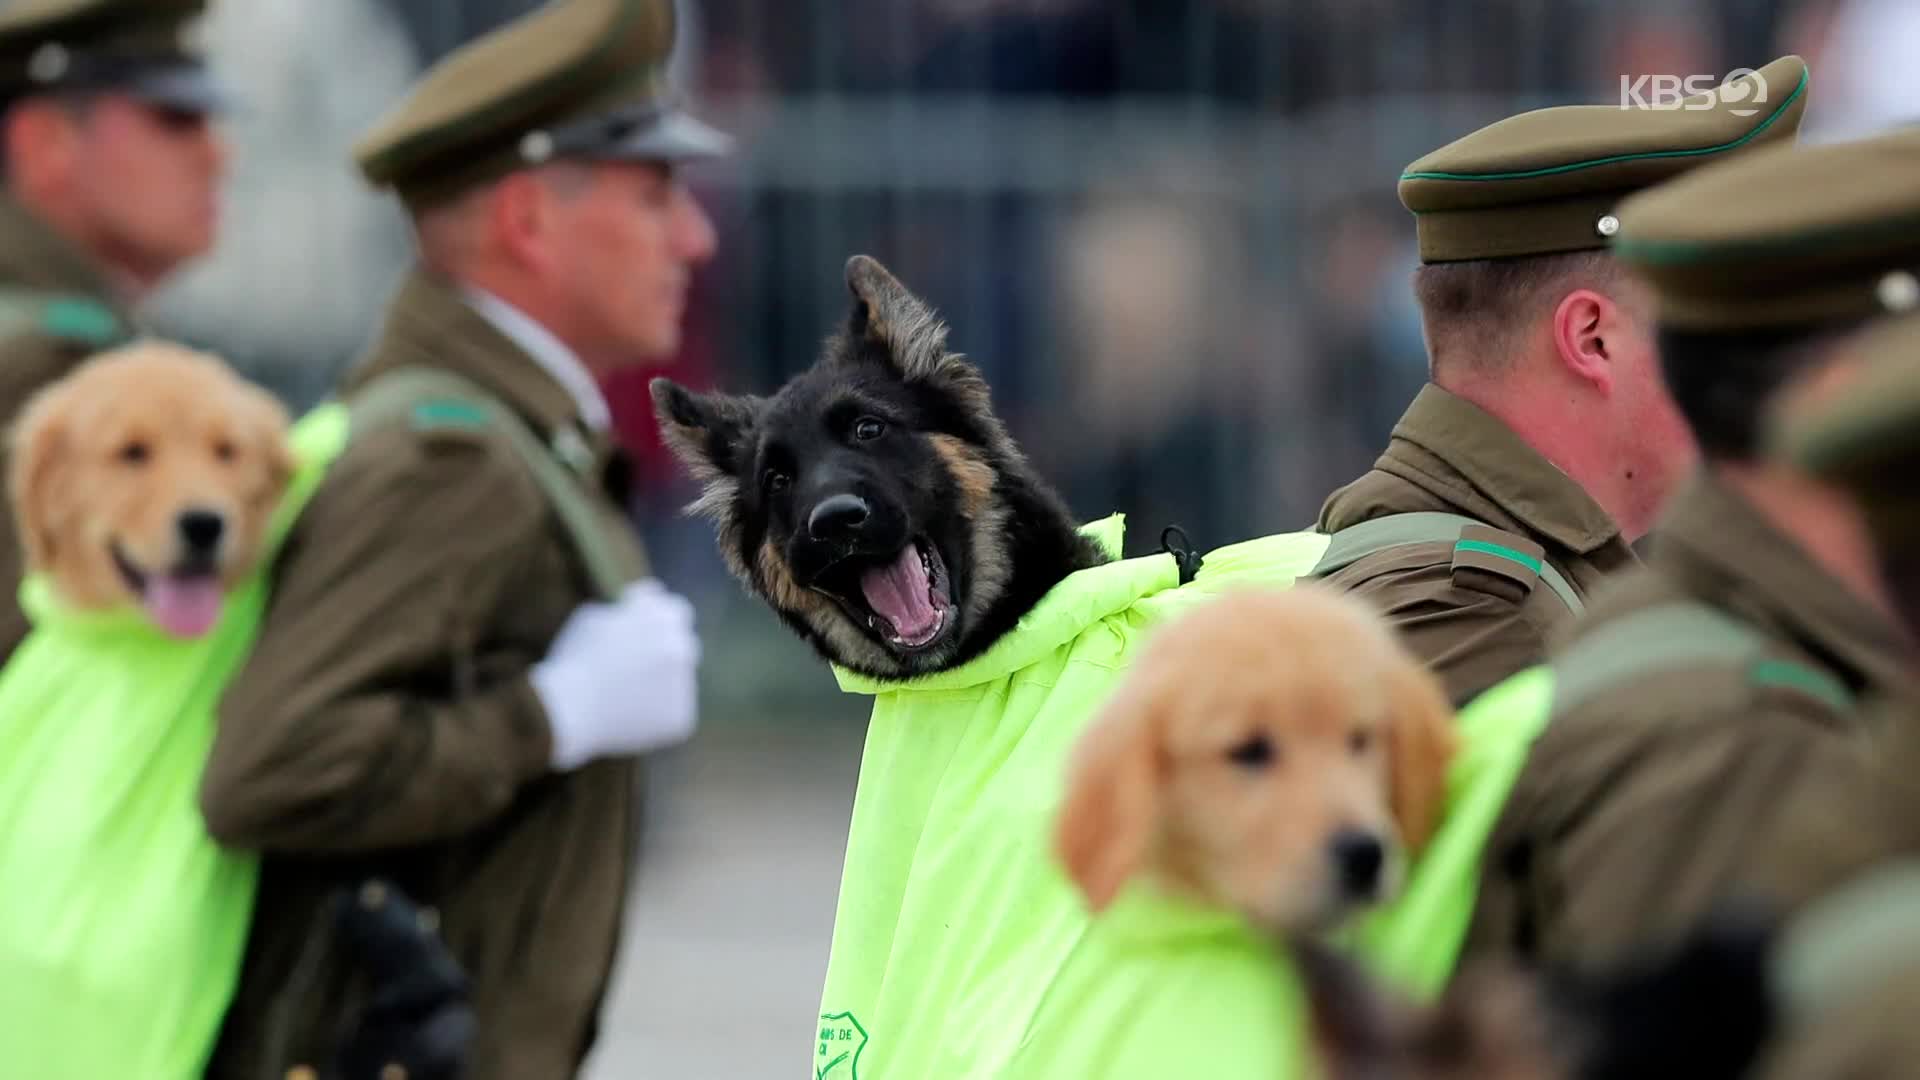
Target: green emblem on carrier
(841, 1040)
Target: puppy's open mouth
(906, 601)
(184, 601)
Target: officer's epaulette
(445, 414)
(69, 317)
(1483, 549)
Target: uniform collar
(1719, 547)
(34, 255)
(548, 351)
(1463, 455)
(430, 324)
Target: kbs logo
(1742, 86)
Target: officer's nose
(836, 517)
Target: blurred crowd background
(1167, 229)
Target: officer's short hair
(1474, 310)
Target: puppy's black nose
(201, 529)
(837, 515)
(1358, 857)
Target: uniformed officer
(1847, 970)
(1711, 712)
(434, 698)
(112, 170)
(1543, 436)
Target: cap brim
(676, 136)
(188, 89)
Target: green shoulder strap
(1356, 542)
(435, 398)
(71, 317)
(1674, 636)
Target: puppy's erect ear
(709, 434)
(1111, 808)
(38, 442)
(900, 323)
(1421, 730)
(910, 335)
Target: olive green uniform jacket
(385, 724)
(1664, 792)
(56, 309)
(1473, 625)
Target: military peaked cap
(572, 79)
(1790, 238)
(141, 47)
(1551, 180)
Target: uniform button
(302, 1072)
(393, 1072)
(372, 895)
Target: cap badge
(48, 62)
(1898, 291)
(536, 147)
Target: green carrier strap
(432, 397)
(1675, 636)
(1469, 537)
(71, 317)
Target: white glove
(619, 677)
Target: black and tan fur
(886, 416)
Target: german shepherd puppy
(876, 502)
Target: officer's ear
(1110, 812)
(1423, 744)
(41, 139)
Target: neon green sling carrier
(122, 923)
(961, 950)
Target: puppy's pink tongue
(899, 593)
(183, 607)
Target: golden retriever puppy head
(147, 476)
(1278, 753)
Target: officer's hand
(620, 677)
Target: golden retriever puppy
(147, 476)
(1276, 753)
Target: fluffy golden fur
(150, 466)
(1262, 751)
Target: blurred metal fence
(1167, 229)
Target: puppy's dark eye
(1256, 752)
(868, 428)
(133, 453)
(224, 451)
(774, 481)
(1360, 742)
